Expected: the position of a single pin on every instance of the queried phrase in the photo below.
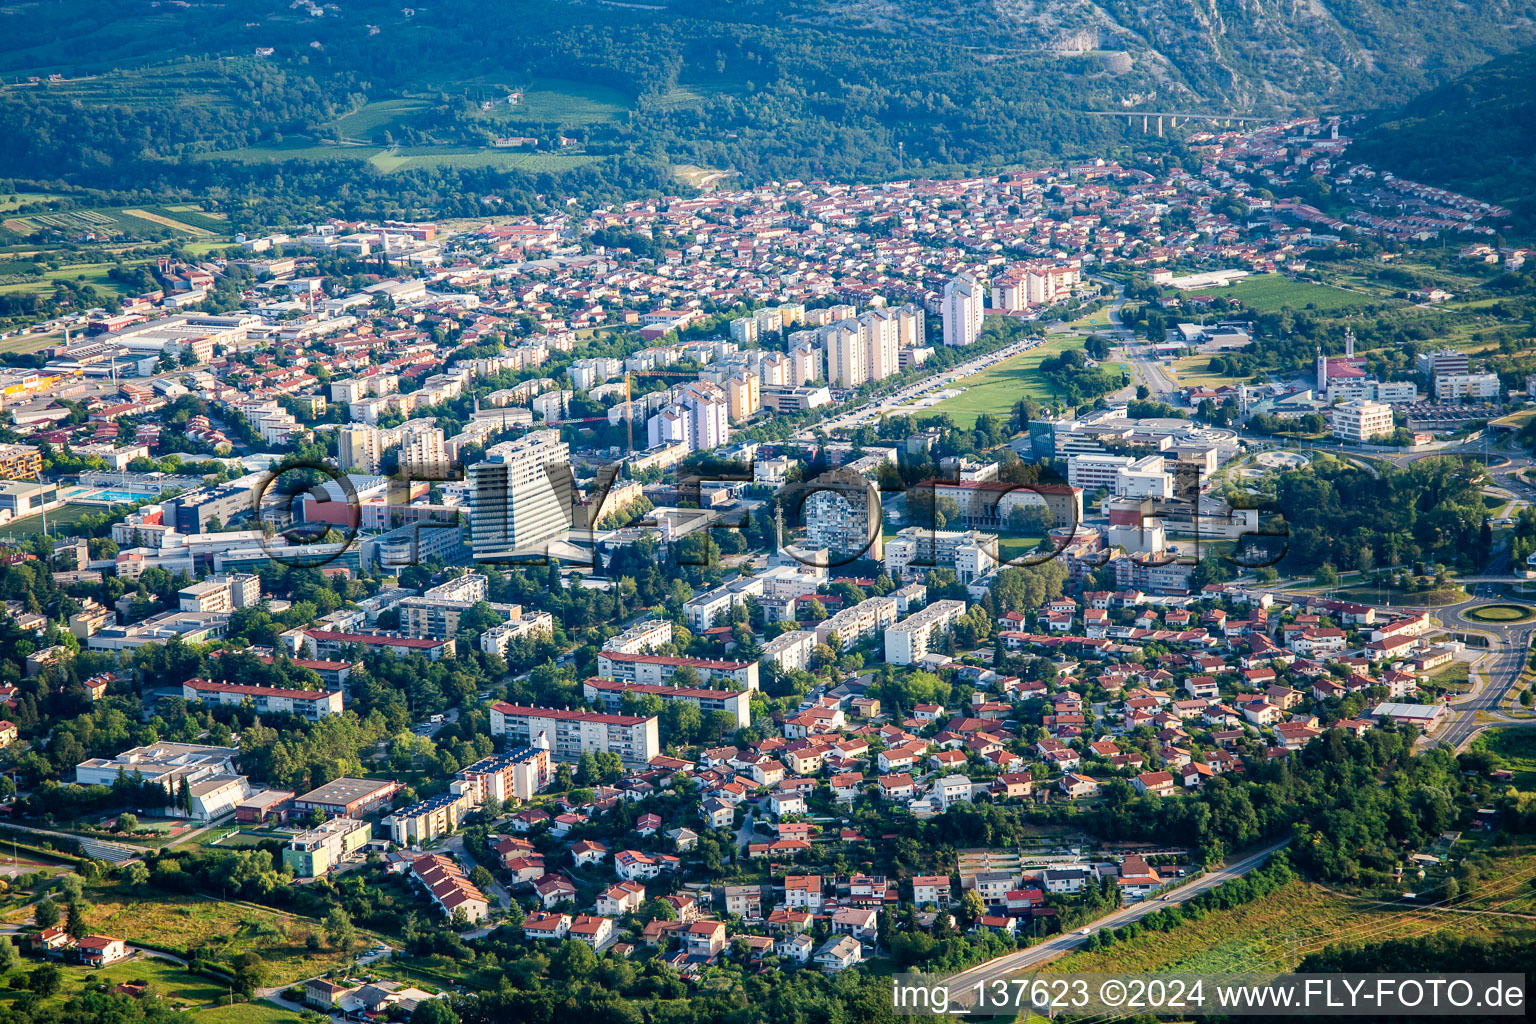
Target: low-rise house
(1156, 783)
(621, 898)
(100, 950)
(839, 954)
(595, 931)
(704, 938)
(546, 926)
(932, 889)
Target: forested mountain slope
(1475, 134)
(849, 89)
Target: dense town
(623, 580)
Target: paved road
(1502, 667)
(455, 846)
(1060, 945)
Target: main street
(1060, 945)
(1502, 668)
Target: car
(1084, 931)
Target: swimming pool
(103, 496)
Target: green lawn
(1516, 750)
(996, 389)
(177, 922)
(1266, 292)
(180, 988)
(1195, 371)
(247, 1013)
(13, 200)
(24, 343)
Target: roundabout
(1499, 614)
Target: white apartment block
(221, 593)
(309, 704)
(1361, 421)
(424, 455)
(1093, 470)
(699, 419)
(658, 669)
(917, 549)
(1455, 387)
(498, 639)
(858, 623)
(845, 517)
(520, 495)
(907, 642)
(744, 330)
(790, 651)
(641, 637)
(962, 310)
(569, 734)
(1145, 478)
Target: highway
(1060, 945)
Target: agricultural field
(1265, 292)
(559, 101)
(141, 222)
(996, 389)
(1275, 932)
(396, 157)
(504, 159)
(368, 123)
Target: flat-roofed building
(859, 622)
(515, 775)
(349, 798)
(428, 819)
(325, 643)
(172, 766)
(790, 651)
(499, 639)
(641, 637)
(315, 852)
(907, 642)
